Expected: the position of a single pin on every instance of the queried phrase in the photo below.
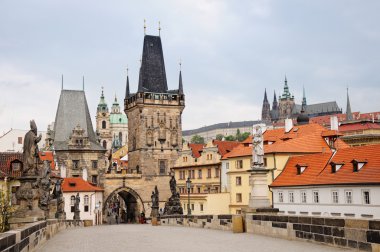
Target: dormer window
(301, 168)
(335, 167)
(358, 164)
(72, 184)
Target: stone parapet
(363, 235)
(30, 237)
(219, 222)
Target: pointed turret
(275, 103)
(102, 106)
(180, 86)
(286, 93)
(349, 116)
(303, 108)
(127, 92)
(265, 113)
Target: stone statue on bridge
(173, 206)
(155, 202)
(76, 208)
(30, 151)
(44, 187)
(58, 195)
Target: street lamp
(188, 185)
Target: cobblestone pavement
(141, 238)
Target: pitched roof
(300, 139)
(48, 155)
(72, 111)
(239, 151)
(196, 149)
(78, 185)
(325, 120)
(227, 125)
(152, 71)
(358, 126)
(6, 158)
(317, 108)
(225, 146)
(318, 171)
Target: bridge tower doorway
(124, 205)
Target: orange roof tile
(239, 151)
(196, 149)
(318, 171)
(331, 133)
(358, 126)
(48, 155)
(78, 185)
(225, 146)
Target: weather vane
(144, 26)
(159, 28)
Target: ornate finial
(144, 26)
(127, 70)
(102, 90)
(159, 28)
(180, 64)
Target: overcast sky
(230, 51)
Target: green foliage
(6, 211)
(219, 137)
(230, 138)
(243, 136)
(197, 139)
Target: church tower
(103, 123)
(286, 103)
(154, 115)
(265, 112)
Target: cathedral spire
(303, 100)
(349, 116)
(286, 93)
(265, 112)
(180, 86)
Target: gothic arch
(125, 189)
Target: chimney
(288, 125)
(334, 123)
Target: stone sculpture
(258, 146)
(30, 153)
(173, 206)
(44, 187)
(58, 196)
(76, 207)
(155, 202)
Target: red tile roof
(358, 126)
(325, 120)
(318, 171)
(300, 139)
(48, 155)
(239, 151)
(6, 158)
(78, 185)
(196, 149)
(225, 146)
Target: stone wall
(363, 235)
(31, 237)
(220, 222)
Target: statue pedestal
(259, 200)
(173, 206)
(27, 195)
(154, 212)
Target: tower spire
(180, 86)
(303, 100)
(265, 112)
(349, 116)
(127, 88)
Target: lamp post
(188, 185)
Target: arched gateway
(123, 205)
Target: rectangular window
(238, 211)
(291, 197)
(94, 164)
(238, 197)
(239, 164)
(227, 165)
(75, 164)
(265, 162)
(366, 199)
(199, 174)
(335, 197)
(348, 197)
(16, 166)
(201, 207)
(95, 179)
(19, 140)
(162, 164)
(238, 181)
(208, 173)
(216, 189)
(192, 190)
(315, 196)
(192, 207)
(199, 190)
(280, 197)
(217, 172)
(193, 174)
(303, 197)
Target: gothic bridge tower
(154, 115)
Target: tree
(230, 138)
(197, 139)
(243, 136)
(219, 137)
(6, 210)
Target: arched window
(72, 203)
(86, 203)
(104, 124)
(104, 144)
(121, 138)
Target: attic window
(358, 164)
(301, 168)
(72, 184)
(335, 167)
(151, 44)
